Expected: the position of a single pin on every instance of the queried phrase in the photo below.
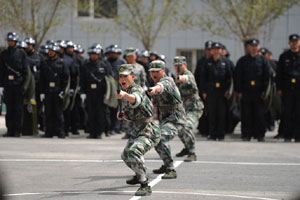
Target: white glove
(83, 97)
(42, 97)
(71, 92)
(1, 91)
(61, 95)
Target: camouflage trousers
(134, 151)
(186, 134)
(168, 132)
(126, 127)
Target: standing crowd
(257, 91)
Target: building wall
(169, 42)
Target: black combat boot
(161, 170)
(183, 152)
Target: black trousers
(114, 122)
(216, 107)
(14, 100)
(54, 115)
(291, 115)
(96, 114)
(71, 116)
(253, 117)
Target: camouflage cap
(125, 69)
(130, 51)
(178, 60)
(157, 65)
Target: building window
(97, 8)
(105, 8)
(192, 56)
(83, 8)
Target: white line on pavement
(111, 161)
(156, 192)
(157, 180)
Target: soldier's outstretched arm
(153, 90)
(124, 95)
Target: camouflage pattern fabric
(134, 151)
(171, 120)
(142, 109)
(139, 79)
(143, 136)
(193, 107)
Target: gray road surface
(79, 168)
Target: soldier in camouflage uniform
(192, 104)
(140, 79)
(145, 133)
(166, 97)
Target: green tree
(240, 18)
(31, 17)
(146, 20)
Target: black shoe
(46, 136)
(133, 181)
(125, 137)
(161, 170)
(75, 133)
(61, 136)
(183, 152)
(220, 138)
(7, 135)
(17, 135)
(246, 139)
(213, 138)
(287, 140)
(261, 139)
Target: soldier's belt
(164, 108)
(142, 121)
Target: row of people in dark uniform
(256, 91)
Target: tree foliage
(241, 18)
(31, 17)
(146, 20)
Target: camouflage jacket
(139, 112)
(167, 99)
(189, 93)
(140, 75)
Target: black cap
(253, 41)
(263, 50)
(294, 37)
(223, 46)
(208, 44)
(247, 42)
(216, 45)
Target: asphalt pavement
(79, 168)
